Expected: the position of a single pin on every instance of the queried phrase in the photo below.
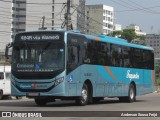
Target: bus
(59, 64)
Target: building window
(104, 18)
(103, 11)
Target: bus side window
(116, 55)
(73, 57)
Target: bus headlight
(58, 81)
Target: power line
(31, 3)
(137, 9)
(148, 9)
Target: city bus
(49, 65)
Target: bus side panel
(111, 80)
(88, 72)
(148, 81)
(135, 75)
(72, 81)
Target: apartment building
(99, 19)
(137, 29)
(18, 21)
(5, 23)
(153, 40)
(29, 15)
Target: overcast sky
(145, 13)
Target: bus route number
(87, 74)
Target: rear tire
(1, 94)
(40, 102)
(131, 95)
(83, 99)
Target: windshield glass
(38, 57)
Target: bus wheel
(1, 94)
(131, 94)
(83, 99)
(40, 102)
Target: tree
(115, 33)
(128, 34)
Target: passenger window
(1, 76)
(126, 57)
(116, 55)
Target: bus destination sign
(36, 37)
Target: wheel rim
(84, 95)
(132, 93)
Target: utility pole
(68, 16)
(43, 21)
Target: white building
(54, 12)
(153, 40)
(117, 27)
(99, 19)
(136, 28)
(5, 23)
(18, 17)
(27, 15)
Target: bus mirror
(9, 45)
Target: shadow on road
(58, 103)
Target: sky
(144, 13)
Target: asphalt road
(150, 102)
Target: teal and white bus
(49, 65)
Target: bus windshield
(38, 57)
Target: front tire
(83, 99)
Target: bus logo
(132, 76)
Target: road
(150, 102)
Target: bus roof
(113, 40)
(118, 41)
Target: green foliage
(157, 81)
(128, 34)
(115, 33)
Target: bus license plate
(32, 94)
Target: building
(117, 27)
(77, 11)
(53, 14)
(5, 23)
(18, 21)
(153, 40)
(29, 15)
(99, 19)
(136, 28)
